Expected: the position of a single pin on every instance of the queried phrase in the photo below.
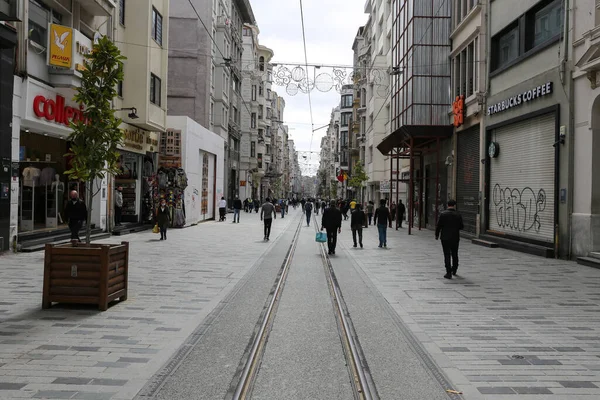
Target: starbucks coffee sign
(521, 98)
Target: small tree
(95, 137)
(359, 177)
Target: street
(509, 325)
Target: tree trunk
(89, 200)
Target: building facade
(54, 41)
(526, 166)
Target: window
(253, 92)
(507, 46)
(462, 9)
(156, 26)
(252, 149)
(260, 112)
(212, 114)
(465, 70)
(253, 120)
(247, 32)
(261, 89)
(261, 63)
(537, 28)
(212, 76)
(120, 89)
(225, 117)
(155, 89)
(346, 101)
(39, 17)
(544, 24)
(122, 12)
(345, 119)
(235, 114)
(268, 94)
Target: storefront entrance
(521, 197)
(467, 177)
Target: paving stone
(109, 382)
(496, 390)
(93, 396)
(54, 394)
(72, 381)
(578, 384)
(11, 386)
(532, 390)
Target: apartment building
(329, 163)
(527, 111)
(206, 73)
(54, 37)
(469, 74)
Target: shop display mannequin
(58, 187)
(31, 176)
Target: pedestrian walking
(357, 220)
(400, 212)
(267, 214)
(256, 205)
(118, 205)
(317, 206)
(222, 209)
(449, 225)
(308, 211)
(370, 209)
(393, 212)
(237, 209)
(383, 218)
(163, 219)
(303, 202)
(282, 205)
(76, 214)
(332, 223)
(246, 204)
(352, 205)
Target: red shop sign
(56, 110)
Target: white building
(202, 156)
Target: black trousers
(331, 239)
(450, 251)
(308, 217)
(118, 214)
(222, 212)
(354, 232)
(268, 222)
(75, 226)
(163, 232)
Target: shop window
(155, 89)
(122, 12)
(157, 26)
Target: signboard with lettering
(60, 48)
(458, 110)
(521, 98)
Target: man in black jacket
(357, 221)
(449, 224)
(237, 209)
(383, 218)
(76, 214)
(332, 222)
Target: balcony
(101, 8)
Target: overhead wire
(308, 82)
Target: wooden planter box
(85, 274)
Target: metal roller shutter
(467, 180)
(522, 180)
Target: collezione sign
(56, 110)
(521, 98)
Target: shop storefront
(467, 176)
(40, 132)
(522, 180)
(137, 176)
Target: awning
(420, 133)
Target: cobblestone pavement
(70, 352)
(509, 325)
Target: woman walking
(163, 219)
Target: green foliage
(94, 139)
(359, 176)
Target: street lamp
(132, 114)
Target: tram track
(360, 379)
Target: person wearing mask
(118, 205)
(237, 209)
(267, 214)
(382, 219)
(163, 219)
(76, 214)
(357, 220)
(370, 209)
(400, 212)
(332, 223)
(308, 211)
(449, 225)
(222, 209)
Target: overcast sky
(331, 27)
